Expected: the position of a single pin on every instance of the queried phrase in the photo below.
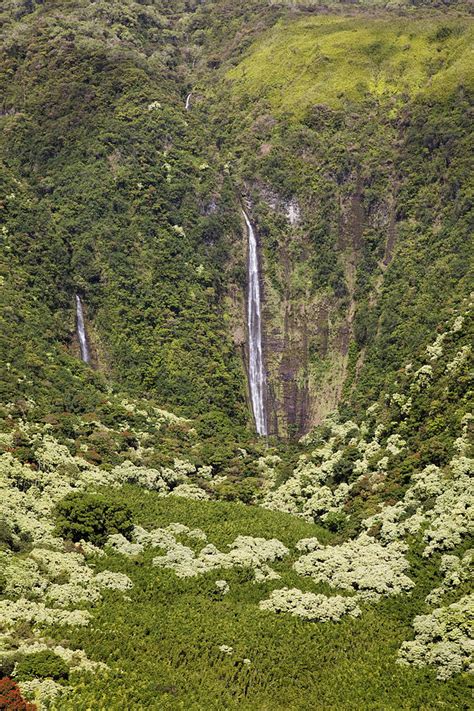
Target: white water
(188, 101)
(81, 331)
(293, 212)
(254, 323)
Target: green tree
(91, 517)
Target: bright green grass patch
(327, 60)
(161, 640)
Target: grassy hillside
(330, 60)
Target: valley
(236, 343)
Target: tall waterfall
(254, 322)
(81, 331)
(188, 101)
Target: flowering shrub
(441, 502)
(403, 402)
(317, 608)
(459, 359)
(361, 565)
(190, 491)
(306, 545)
(222, 587)
(452, 516)
(395, 444)
(455, 571)
(28, 497)
(122, 545)
(43, 689)
(458, 324)
(435, 350)
(128, 473)
(113, 581)
(50, 455)
(443, 639)
(245, 551)
(22, 610)
(21, 576)
(76, 659)
(422, 377)
(304, 494)
(11, 698)
(226, 649)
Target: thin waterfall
(254, 323)
(188, 101)
(81, 331)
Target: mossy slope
(329, 60)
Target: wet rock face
(307, 334)
(308, 329)
(290, 208)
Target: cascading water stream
(188, 101)
(81, 331)
(254, 323)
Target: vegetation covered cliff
(133, 134)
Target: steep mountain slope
(147, 536)
(360, 198)
(96, 139)
(140, 199)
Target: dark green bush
(42, 665)
(91, 517)
(335, 521)
(7, 665)
(6, 535)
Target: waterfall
(256, 370)
(81, 331)
(188, 101)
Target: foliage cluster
(179, 644)
(91, 517)
(11, 698)
(42, 664)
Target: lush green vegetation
(376, 168)
(125, 218)
(113, 191)
(43, 665)
(91, 518)
(346, 128)
(329, 60)
(163, 642)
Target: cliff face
(351, 202)
(343, 252)
(308, 334)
